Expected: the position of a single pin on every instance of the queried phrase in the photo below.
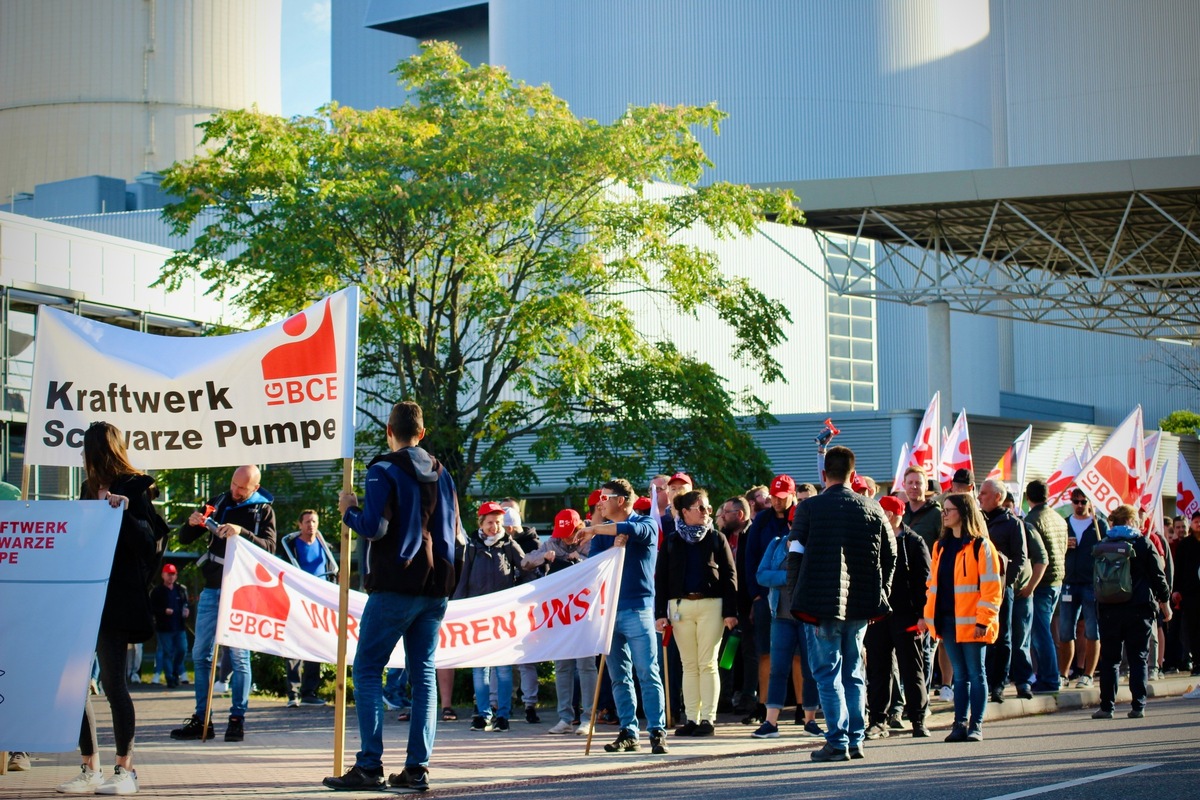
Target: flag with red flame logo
(956, 452)
(926, 448)
(1115, 475)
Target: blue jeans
(396, 690)
(999, 652)
(970, 687)
(483, 690)
(788, 640)
(565, 673)
(386, 619)
(202, 650)
(173, 646)
(1020, 665)
(1045, 598)
(635, 648)
(835, 655)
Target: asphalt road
(1159, 756)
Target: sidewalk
(287, 751)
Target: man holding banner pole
(410, 520)
(245, 510)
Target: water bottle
(729, 653)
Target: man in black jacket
(898, 633)
(1008, 534)
(245, 510)
(841, 555)
(1127, 624)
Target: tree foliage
(497, 240)
(1184, 423)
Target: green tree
(1181, 422)
(497, 240)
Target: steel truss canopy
(1104, 246)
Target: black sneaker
(828, 753)
(1024, 692)
(235, 731)
(625, 743)
(531, 715)
(501, 724)
(191, 729)
(705, 728)
(958, 733)
(658, 742)
(1136, 713)
(356, 779)
(856, 753)
(415, 779)
(757, 716)
(479, 723)
(686, 729)
(919, 731)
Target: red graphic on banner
(305, 369)
(263, 609)
(1185, 500)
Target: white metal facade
(117, 87)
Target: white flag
(1113, 475)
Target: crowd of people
(868, 608)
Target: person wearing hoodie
(1128, 623)
(245, 510)
(410, 520)
(491, 563)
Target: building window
(853, 377)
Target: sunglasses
(604, 497)
(1079, 502)
(705, 509)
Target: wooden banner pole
(339, 703)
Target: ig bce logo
(305, 369)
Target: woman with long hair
(126, 617)
(962, 607)
(696, 588)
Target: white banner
(280, 393)
(270, 606)
(55, 557)
(956, 452)
(1187, 493)
(925, 447)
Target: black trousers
(1190, 606)
(304, 678)
(883, 639)
(110, 656)
(1124, 625)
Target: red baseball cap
(593, 498)
(566, 522)
(892, 504)
(169, 568)
(641, 505)
(680, 477)
(490, 507)
(858, 485)
(782, 486)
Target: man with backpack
(410, 520)
(1128, 579)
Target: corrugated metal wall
(1105, 81)
(116, 88)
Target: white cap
(512, 518)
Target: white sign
(55, 556)
(280, 393)
(270, 606)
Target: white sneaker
(1192, 693)
(1084, 682)
(562, 727)
(294, 703)
(86, 782)
(135, 678)
(220, 687)
(123, 781)
(157, 679)
(582, 730)
(19, 761)
(947, 694)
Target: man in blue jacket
(634, 645)
(410, 522)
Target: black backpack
(1112, 573)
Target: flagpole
(24, 497)
(587, 750)
(339, 703)
(212, 674)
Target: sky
(305, 56)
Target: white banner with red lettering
(1060, 484)
(55, 556)
(276, 394)
(1115, 474)
(270, 606)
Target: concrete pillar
(938, 352)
